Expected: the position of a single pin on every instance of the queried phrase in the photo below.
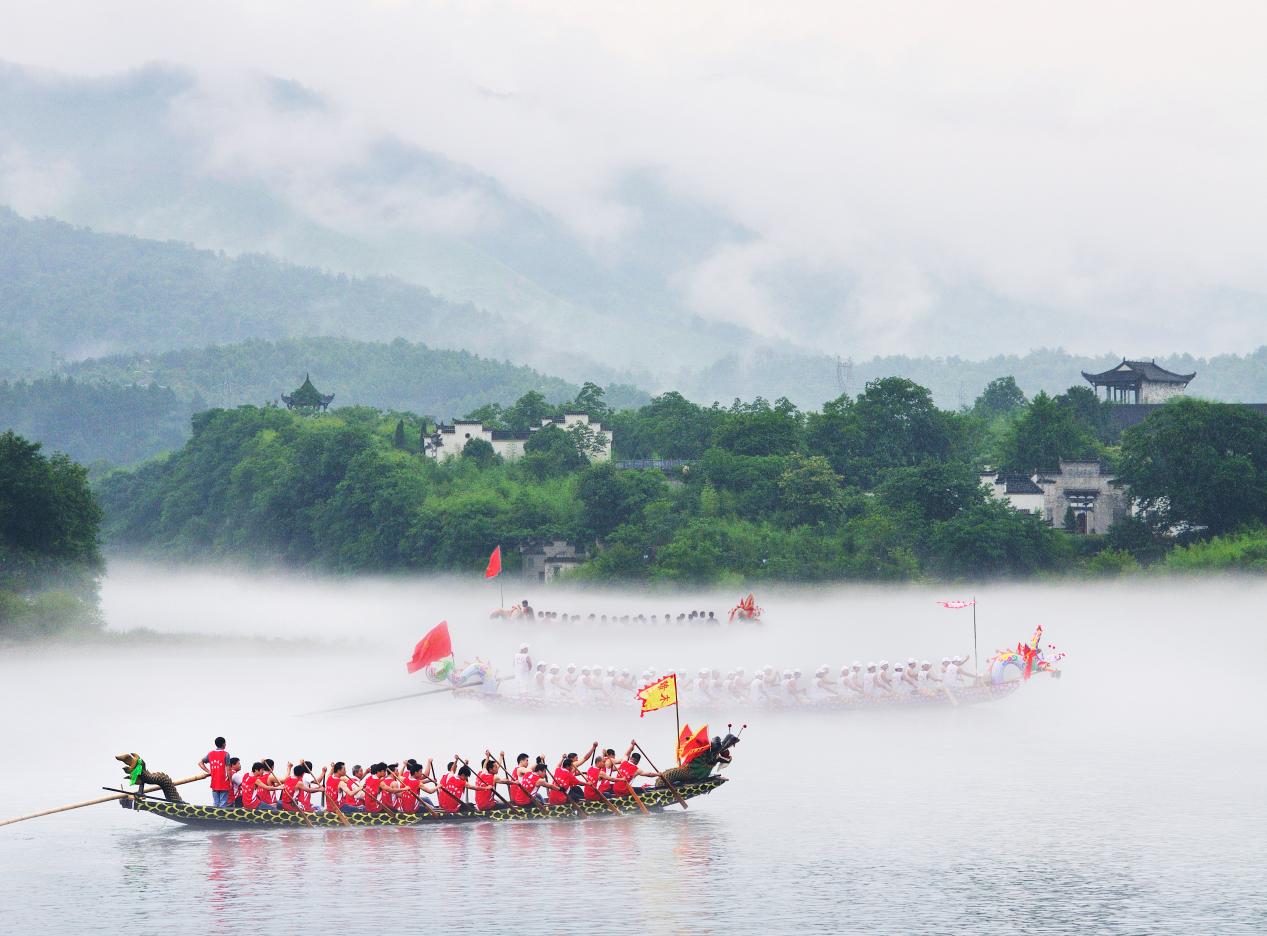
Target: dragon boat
(696, 779)
(966, 695)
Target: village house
(451, 438)
(1086, 489)
(546, 560)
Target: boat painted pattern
(196, 814)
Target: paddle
(418, 796)
(94, 802)
(610, 805)
(501, 759)
(495, 792)
(412, 695)
(325, 799)
(667, 781)
(302, 813)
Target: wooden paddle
(325, 799)
(494, 788)
(511, 777)
(302, 813)
(610, 805)
(667, 781)
(94, 802)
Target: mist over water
(1126, 797)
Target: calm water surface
(1126, 798)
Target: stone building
(450, 439)
(546, 560)
(1086, 488)
(1139, 382)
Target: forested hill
(126, 408)
(71, 293)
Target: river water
(1127, 797)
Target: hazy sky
(1099, 166)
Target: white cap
(787, 674)
(945, 660)
(857, 665)
(925, 664)
(703, 672)
(796, 672)
(571, 666)
(844, 669)
(870, 665)
(883, 664)
(821, 670)
(585, 670)
(554, 667)
(523, 648)
(541, 666)
(911, 661)
(898, 667)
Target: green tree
(1198, 463)
(757, 428)
(479, 451)
(528, 411)
(933, 491)
(1001, 397)
(898, 426)
(398, 437)
(993, 540)
(611, 498)
(47, 511)
(551, 451)
(1046, 433)
(810, 492)
(591, 400)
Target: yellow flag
(660, 694)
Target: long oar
(412, 695)
(418, 796)
(94, 802)
(610, 805)
(494, 787)
(513, 779)
(667, 781)
(303, 814)
(325, 800)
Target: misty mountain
(149, 153)
(126, 408)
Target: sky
(946, 178)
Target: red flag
(691, 746)
(434, 646)
(494, 564)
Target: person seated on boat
(235, 781)
(926, 680)
(961, 663)
(336, 787)
(452, 790)
(597, 778)
(571, 678)
(869, 688)
(567, 786)
(884, 679)
(216, 765)
(370, 788)
(517, 795)
(628, 770)
(297, 792)
(554, 683)
(949, 673)
(823, 686)
(486, 784)
(534, 780)
(898, 685)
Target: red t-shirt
(517, 794)
(250, 791)
(409, 797)
(562, 778)
(451, 788)
(591, 782)
(332, 791)
(373, 801)
(484, 798)
(218, 767)
(289, 797)
(626, 772)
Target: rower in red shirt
(371, 784)
(336, 784)
(250, 788)
(519, 794)
(627, 770)
(453, 787)
(216, 763)
(566, 784)
(269, 785)
(596, 779)
(297, 792)
(485, 782)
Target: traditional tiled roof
(1132, 373)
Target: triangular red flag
(434, 646)
(494, 563)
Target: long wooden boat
(196, 814)
(677, 784)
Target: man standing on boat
(216, 763)
(523, 669)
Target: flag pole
(677, 738)
(976, 663)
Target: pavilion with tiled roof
(1139, 382)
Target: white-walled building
(1139, 382)
(1086, 488)
(452, 438)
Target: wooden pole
(976, 661)
(667, 781)
(412, 695)
(94, 802)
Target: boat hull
(195, 814)
(970, 695)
